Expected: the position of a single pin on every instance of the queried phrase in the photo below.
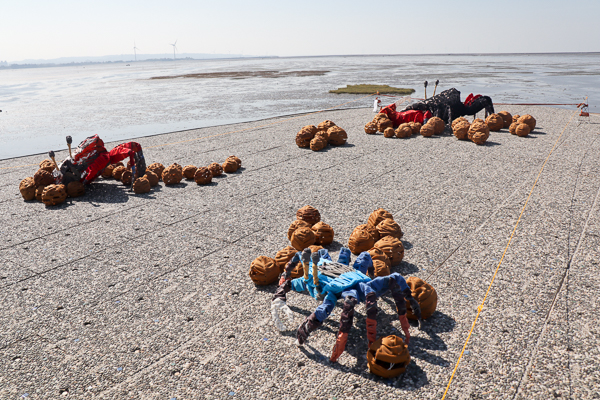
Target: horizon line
(309, 56)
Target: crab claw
(279, 306)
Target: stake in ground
(369, 89)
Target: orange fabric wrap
(340, 346)
(371, 330)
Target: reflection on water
(43, 105)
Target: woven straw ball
(39, 190)
(152, 178)
(157, 168)
(54, 195)
(427, 130)
(304, 136)
(173, 174)
(189, 171)
(371, 128)
(506, 118)
(389, 132)
(360, 240)
(495, 122)
(388, 357)
(318, 143)
(118, 172)
(377, 216)
(27, 188)
(263, 270)
(302, 238)
(379, 117)
(392, 248)
(43, 178)
(315, 248)
(416, 127)
(325, 125)
(461, 130)
(237, 160)
(323, 233)
(529, 120)
(479, 132)
(438, 125)
(141, 185)
(337, 136)
(108, 171)
(47, 164)
(283, 256)
(389, 227)
(404, 131)
(381, 262)
(230, 166)
(383, 124)
(459, 120)
(75, 189)
(295, 225)
(126, 177)
(522, 129)
(215, 169)
(203, 176)
(372, 231)
(309, 214)
(425, 295)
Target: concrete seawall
(115, 295)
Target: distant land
(34, 63)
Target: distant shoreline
(49, 63)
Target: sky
(33, 29)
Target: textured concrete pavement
(115, 295)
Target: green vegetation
(370, 89)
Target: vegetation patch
(370, 89)
(245, 74)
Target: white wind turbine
(174, 48)
(134, 51)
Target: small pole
(51, 154)
(69, 141)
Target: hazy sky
(31, 29)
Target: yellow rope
(480, 308)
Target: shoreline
(133, 138)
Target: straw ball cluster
(44, 187)
(381, 123)
(479, 131)
(318, 137)
(307, 231)
(380, 236)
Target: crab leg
(436, 83)
(305, 262)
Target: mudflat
(115, 295)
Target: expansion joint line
(480, 308)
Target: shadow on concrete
(357, 346)
(405, 268)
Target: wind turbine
(134, 49)
(174, 48)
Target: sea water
(120, 101)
